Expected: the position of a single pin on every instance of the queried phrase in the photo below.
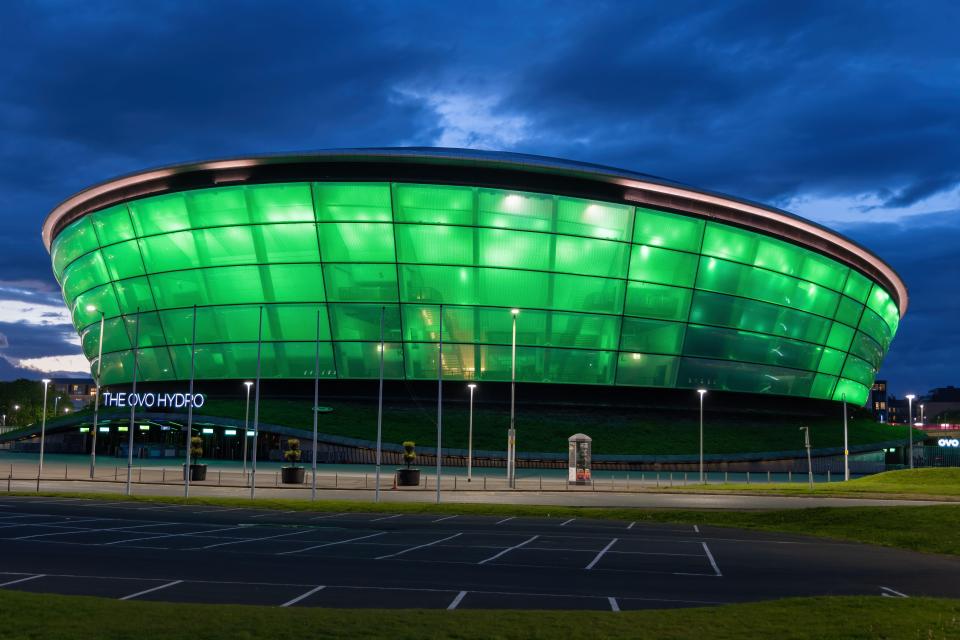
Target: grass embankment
(53, 617)
(939, 483)
(933, 529)
(614, 431)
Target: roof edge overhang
(481, 168)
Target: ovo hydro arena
(620, 280)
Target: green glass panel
(652, 336)
(515, 210)
(361, 282)
(657, 301)
(150, 331)
(280, 203)
(114, 337)
(113, 225)
(160, 214)
(859, 371)
(282, 322)
(87, 307)
(822, 386)
(857, 286)
(361, 322)
(831, 362)
(437, 244)
(867, 348)
(117, 368)
(279, 360)
(134, 295)
(362, 360)
(434, 204)
(730, 344)
(822, 270)
(884, 306)
(75, 240)
(840, 336)
(587, 294)
(123, 260)
(664, 266)
(516, 249)
(356, 242)
(217, 207)
(742, 376)
(352, 202)
(239, 285)
(749, 282)
(591, 257)
(670, 230)
(593, 219)
(153, 364)
(84, 273)
(285, 243)
(874, 326)
(848, 311)
(853, 392)
(730, 243)
(644, 370)
(172, 251)
(758, 317)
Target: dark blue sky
(846, 113)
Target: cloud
(55, 365)
(465, 120)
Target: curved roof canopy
(495, 169)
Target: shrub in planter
(293, 474)
(408, 477)
(197, 471)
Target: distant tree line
(28, 395)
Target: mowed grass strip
(52, 617)
(932, 529)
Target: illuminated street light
(512, 433)
(96, 401)
(702, 393)
(472, 388)
(910, 398)
(246, 423)
(43, 425)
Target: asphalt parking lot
(192, 553)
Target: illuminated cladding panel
(610, 293)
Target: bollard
(748, 477)
(684, 478)
(768, 477)
(671, 478)
(365, 480)
(790, 475)
(9, 480)
(726, 477)
(336, 480)
(484, 483)
(658, 479)
(828, 475)
(65, 467)
(114, 474)
(220, 477)
(454, 483)
(163, 476)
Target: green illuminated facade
(610, 293)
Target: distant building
(878, 400)
(82, 391)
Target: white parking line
(630, 526)
(331, 544)
(600, 555)
(505, 520)
(217, 510)
(713, 563)
(302, 596)
(509, 549)
(171, 535)
(7, 584)
(419, 546)
(146, 591)
(563, 524)
(86, 530)
(279, 535)
(614, 606)
(329, 515)
(893, 591)
(696, 528)
(387, 517)
(443, 518)
(456, 601)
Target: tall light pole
(702, 393)
(922, 422)
(133, 408)
(846, 443)
(512, 433)
(439, 402)
(246, 428)
(806, 443)
(43, 424)
(316, 399)
(910, 398)
(376, 492)
(256, 411)
(96, 401)
(472, 388)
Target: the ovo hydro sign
(154, 400)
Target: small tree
(292, 454)
(196, 447)
(409, 454)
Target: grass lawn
(933, 529)
(927, 483)
(52, 617)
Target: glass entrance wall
(609, 294)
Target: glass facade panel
(608, 293)
(852, 392)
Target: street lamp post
(96, 400)
(472, 388)
(439, 403)
(702, 393)
(806, 443)
(512, 433)
(43, 426)
(910, 398)
(376, 492)
(846, 444)
(246, 428)
(922, 420)
(133, 408)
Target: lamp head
(515, 311)
(910, 396)
(472, 386)
(249, 384)
(45, 381)
(91, 308)
(701, 391)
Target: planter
(197, 472)
(408, 477)
(292, 475)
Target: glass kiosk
(578, 459)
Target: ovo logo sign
(949, 442)
(151, 400)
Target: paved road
(579, 498)
(195, 553)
